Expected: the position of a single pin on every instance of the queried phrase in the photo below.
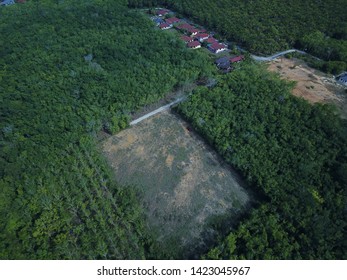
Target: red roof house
(237, 58)
(161, 12)
(194, 45)
(202, 37)
(164, 26)
(187, 39)
(193, 31)
(217, 47)
(211, 40)
(172, 20)
(184, 26)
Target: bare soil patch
(312, 85)
(185, 184)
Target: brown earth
(312, 85)
(185, 185)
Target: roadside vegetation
(68, 70)
(268, 26)
(295, 155)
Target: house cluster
(10, 2)
(195, 38)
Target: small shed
(237, 58)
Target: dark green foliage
(69, 208)
(295, 154)
(72, 68)
(268, 26)
(327, 48)
(68, 70)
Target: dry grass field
(186, 187)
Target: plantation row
(71, 69)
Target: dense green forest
(267, 26)
(70, 69)
(295, 154)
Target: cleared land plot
(311, 84)
(185, 184)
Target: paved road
(157, 111)
(166, 107)
(272, 57)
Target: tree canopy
(68, 70)
(292, 152)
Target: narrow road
(157, 111)
(255, 57)
(272, 57)
(179, 100)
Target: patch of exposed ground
(185, 184)
(312, 85)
